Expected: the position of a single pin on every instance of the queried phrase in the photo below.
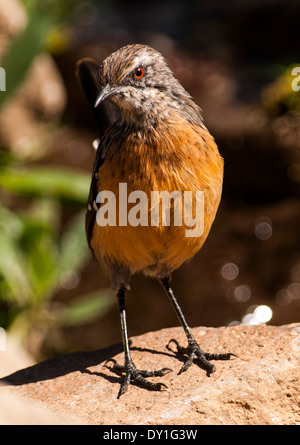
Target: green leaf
(39, 181)
(74, 249)
(87, 308)
(13, 267)
(23, 50)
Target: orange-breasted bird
(151, 138)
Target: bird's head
(137, 79)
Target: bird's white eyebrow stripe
(143, 59)
(140, 60)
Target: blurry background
(235, 58)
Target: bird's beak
(105, 93)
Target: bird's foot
(137, 376)
(203, 358)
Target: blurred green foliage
(279, 97)
(40, 253)
(45, 30)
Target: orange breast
(185, 159)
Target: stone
(258, 387)
(14, 408)
(17, 410)
(13, 356)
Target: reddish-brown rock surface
(260, 386)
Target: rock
(14, 408)
(260, 386)
(12, 356)
(17, 410)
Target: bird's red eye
(139, 72)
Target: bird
(152, 137)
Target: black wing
(105, 115)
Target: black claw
(118, 369)
(180, 349)
(225, 356)
(158, 373)
(137, 376)
(203, 358)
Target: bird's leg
(131, 373)
(192, 348)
